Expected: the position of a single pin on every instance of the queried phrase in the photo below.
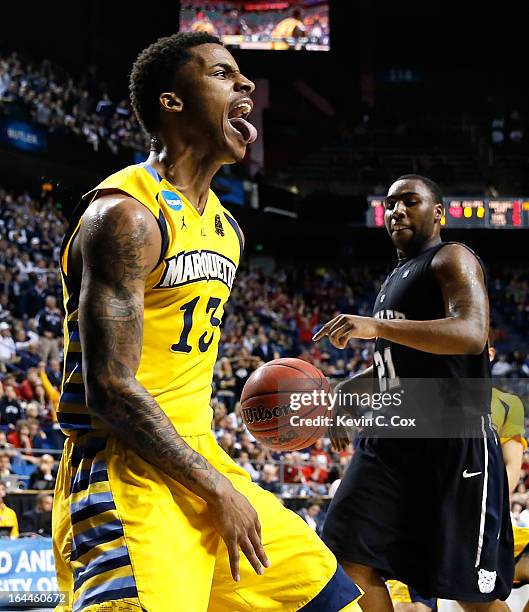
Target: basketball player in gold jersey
(149, 513)
(290, 27)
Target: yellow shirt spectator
(8, 517)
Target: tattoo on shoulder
(119, 249)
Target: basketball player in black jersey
(429, 511)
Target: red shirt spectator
(318, 451)
(27, 386)
(20, 437)
(316, 471)
(291, 473)
(306, 324)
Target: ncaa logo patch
(172, 199)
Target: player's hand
(238, 525)
(338, 435)
(344, 327)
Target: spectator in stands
(42, 401)
(264, 349)
(225, 384)
(241, 374)
(44, 477)
(39, 439)
(27, 386)
(515, 513)
(48, 396)
(11, 410)
(523, 521)
(36, 296)
(20, 437)
(8, 351)
(54, 373)
(291, 473)
(29, 358)
(244, 462)
(5, 462)
(269, 480)
(520, 494)
(38, 520)
(8, 517)
(501, 368)
(306, 324)
(5, 447)
(49, 322)
(316, 474)
(227, 443)
(313, 516)
(318, 450)
(247, 444)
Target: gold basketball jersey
(508, 416)
(184, 302)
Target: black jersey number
(183, 346)
(387, 377)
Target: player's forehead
(209, 55)
(408, 186)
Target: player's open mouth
(237, 120)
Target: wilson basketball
(285, 404)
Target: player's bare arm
(512, 451)
(464, 328)
(119, 243)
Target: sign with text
(26, 565)
(23, 136)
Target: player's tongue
(245, 128)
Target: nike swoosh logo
(470, 474)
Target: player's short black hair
(433, 187)
(154, 72)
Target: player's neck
(418, 249)
(189, 172)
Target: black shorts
(432, 513)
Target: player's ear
(171, 102)
(439, 211)
(492, 353)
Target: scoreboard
(480, 213)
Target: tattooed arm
(117, 247)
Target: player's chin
(402, 239)
(234, 152)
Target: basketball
(284, 404)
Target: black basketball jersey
(457, 384)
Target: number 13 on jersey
(183, 346)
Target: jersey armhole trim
(162, 224)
